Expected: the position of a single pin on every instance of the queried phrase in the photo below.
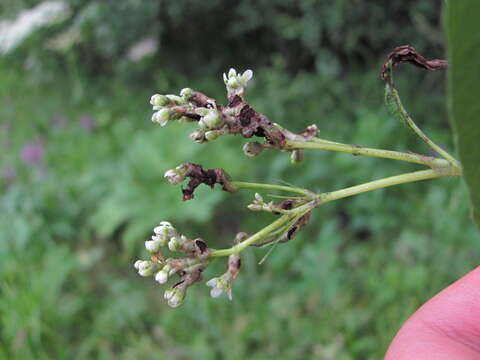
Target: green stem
(252, 239)
(335, 195)
(319, 144)
(388, 181)
(396, 107)
(249, 185)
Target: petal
(215, 292)
(247, 75)
(232, 73)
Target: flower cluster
(170, 107)
(193, 106)
(188, 268)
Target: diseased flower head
(189, 267)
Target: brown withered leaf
(407, 53)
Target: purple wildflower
(87, 123)
(32, 154)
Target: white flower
(164, 232)
(137, 264)
(220, 285)
(236, 83)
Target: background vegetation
(81, 180)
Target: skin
(447, 327)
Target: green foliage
(308, 35)
(69, 230)
(464, 87)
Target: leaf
(464, 90)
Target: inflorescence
(239, 118)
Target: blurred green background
(81, 178)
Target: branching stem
(319, 144)
(335, 195)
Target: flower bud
(162, 276)
(198, 136)
(254, 207)
(174, 244)
(145, 268)
(174, 296)
(187, 94)
(177, 100)
(252, 149)
(240, 237)
(162, 116)
(152, 246)
(174, 176)
(212, 135)
(212, 120)
(159, 100)
(296, 157)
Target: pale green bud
(159, 100)
(174, 296)
(211, 121)
(176, 99)
(187, 94)
(174, 244)
(212, 135)
(162, 116)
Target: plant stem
(249, 185)
(319, 144)
(252, 239)
(388, 181)
(335, 195)
(392, 95)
